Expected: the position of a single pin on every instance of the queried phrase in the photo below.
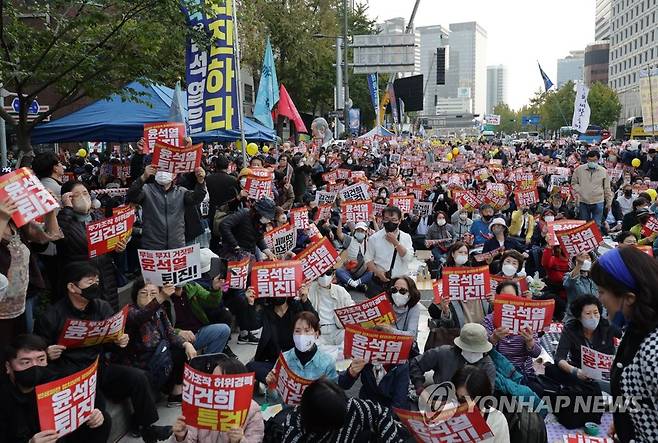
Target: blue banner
(355, 121)
(212, 89)
(268, 89)
(373, 87)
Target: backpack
(526, 426)
(220, 214)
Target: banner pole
(238, 78)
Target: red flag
(288, 109)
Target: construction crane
(410, 25)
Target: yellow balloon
(252, 149)
(455, 151)
(636, 163)
(82, 153)
(449, 156)
(652, 193)
(266, 149)
(238, 145)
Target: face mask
(590, 323)
(487, 218)
(628, 194)
(592, 165)
(303, 342)
(264, 220)
(400, 299)
(30, 377)
(612, 158)
(322, 159)
(509, 270)
(549, 218)
(350, 161)
(301, 163)
(325, 280)
(382, 194)
(91, 292)
(390, 226)
(278, 301)
(472, 357)
(586, 266)
(82, 205)
(96, 203)
(461, 259)
(463, 216)
(441, 222)
(360, 236)
(163, 178)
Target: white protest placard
(170, 266)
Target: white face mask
(163, 178)
(590, 323)
(264, 220)
(509, 270)
(461, 259)
(549, 218)
(463, 216)
(400, 299)
(350, 161)
(325, 280)
(360, 236)
(472, 357)
(303, 342)
(441, 222)
(586, 266)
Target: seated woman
(501, 238)
(587, 328)
(405, 296)
(305, 359)
(472, 384)
(627, 238)
(518, 349)
(151, 334)
(253, 429)
(556, 265)
(440, 236)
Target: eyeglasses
(402, 291)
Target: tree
(557, 109)
(86, 49)
(509, 120)
(604, 104)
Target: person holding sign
(354, 272)
(578, 282)
(640, 230)
(325, 298)
(27, 367)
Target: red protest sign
(330, 177)
(237, 273)
(176, 160)
(437, 289)
(171, 133)
(595, 364)
(454, 425)
(560, 225)
(526, 197)
(289, 385)
(521, 282)
(583, 438)
(584, 238)
(376, 346)
(405, 203)
(317, 258)
(375, 311)
(83, 333)
(299, 218)
(263, 173)
(323, 212)
(468, 200)
(281, 240)
(258, 188)
(516, 313)
(650, 227)
(276, 279)
(216, 402)
(26, 191)
(66, 403)
(466, 283)
(646, 249)
(378, 208)
(356, 211)
(103, 235)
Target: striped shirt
(514, 349)
(364, 418)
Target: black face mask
(91, 292)
(30, 377)
(278, 301)
(628, 194)
(390, 226)
(487, 218)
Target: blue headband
(614, 265)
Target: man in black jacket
(222, 188)
(117, 382)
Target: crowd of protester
(47, 277)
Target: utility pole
(346, 85)
(651, 111)
(340, 98)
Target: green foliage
(604, 104)
(557, 108)
(510, 121)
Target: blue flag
(268, 89)
(177, 109)
(547, 81)
(373, 87)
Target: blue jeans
(344, 276)
(212, 339)
(261, 368)
(592, 211)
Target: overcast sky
(520, 32)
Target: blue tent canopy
(378, 131)
(118, 120)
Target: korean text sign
(237, 274)
(405, 203)
(375, 311)
(460, 425)
(516, 313)
(595, 364)
(357, 192)
(103, 235)
(171, 133)
(216, 402)
(276, 279)
(281, 240)
(356, 211)
(584, 238)
(258, 187)
(299, 218)
(526, 197)
(171, 266)
(65, 404)
(176, 160)
(463, 283)
(317, 258)
(651, 227)
(560, 225)
(83, 333)
(376, 346)
(26, 191)
(289, 385)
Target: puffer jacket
(509, 382)
(73, 247)
(163, 213)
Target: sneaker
(174, 401)
(153, 433)
(229, 352)
(362, 288)
(247, 339)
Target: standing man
(591, 185)
(389, 252)
(222, 189)
(50, 171)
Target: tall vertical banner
(649, 98)
(581, 110)
(394, 103)
(212, 89)
(355, 121)
(373, 88)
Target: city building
(570, 68)
(431, 38)
(633, 47)
(595, 68)
(497, 86)
(602, 21)
(392, 26)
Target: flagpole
(238, 78)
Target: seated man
(27, 367)
(354, 272)
(117, 382)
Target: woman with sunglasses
(404, 296)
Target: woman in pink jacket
(252, 431)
